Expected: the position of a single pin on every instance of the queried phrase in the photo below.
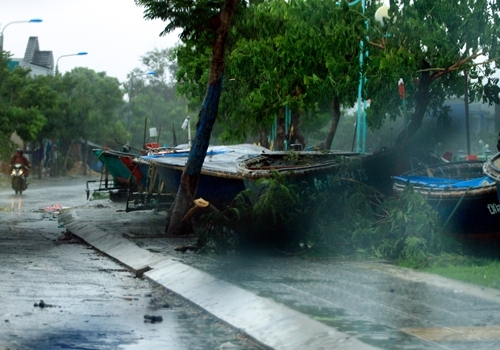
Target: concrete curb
(127, 253)
(270, 324)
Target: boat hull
(374, 170)
(315, 169)
(121, 167)
(219, 182)
(491, 168)
(465, 199)
(129, 172)
(220, 191)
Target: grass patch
(478, 271)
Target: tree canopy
(23, 101)
(153, 100)
(430, 44)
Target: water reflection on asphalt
(16, 205)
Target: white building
(40, 62)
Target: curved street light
(35, 20)
(73, 54)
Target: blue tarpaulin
(438, 182)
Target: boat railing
(149, 196)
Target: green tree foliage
(304, 54)
(88, 107)
(430, 44)
(347, 219)
(24, 101)
(154, 101)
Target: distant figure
(19, 158)
(498, 143)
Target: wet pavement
(280, 302)
(296, 303)
(57, 292)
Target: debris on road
(53, 208)
(153, 319)
(42, 305)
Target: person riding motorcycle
(19, 158)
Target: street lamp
(187, 124)
(485, 149)
(72, 54)
(35, 20)
(132, 76)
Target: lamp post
(72, 54)
(35, 20)
(485, 149)
(487, 152)
(132, 76)
(187, 124)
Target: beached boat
(314, 168)
(491, 168)
(124, 178)
(219, 182)
(119, 165)
(318, 168)
(463, 196)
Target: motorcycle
(17, 178)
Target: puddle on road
(182, 327)
(16, 205)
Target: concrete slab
(117, 247)
(263, 320)
(267, 322)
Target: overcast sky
(113, 32)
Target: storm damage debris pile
(152, 319)
(53, 208)
(51, 212)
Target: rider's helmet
(20, 150)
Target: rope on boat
(454, 210)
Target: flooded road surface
(365, 302)
(58, 293)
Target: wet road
(89, 301)
(375, 303)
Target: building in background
(40, 62)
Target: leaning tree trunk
(403, 147)
(422, 100)
(264, 142)
(66, 157)
(296, 135)
(334, 124)
(84, 160)
(279, 141)
(208, 114)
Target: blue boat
(465, 198)
(491, 168)
(219, 182)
